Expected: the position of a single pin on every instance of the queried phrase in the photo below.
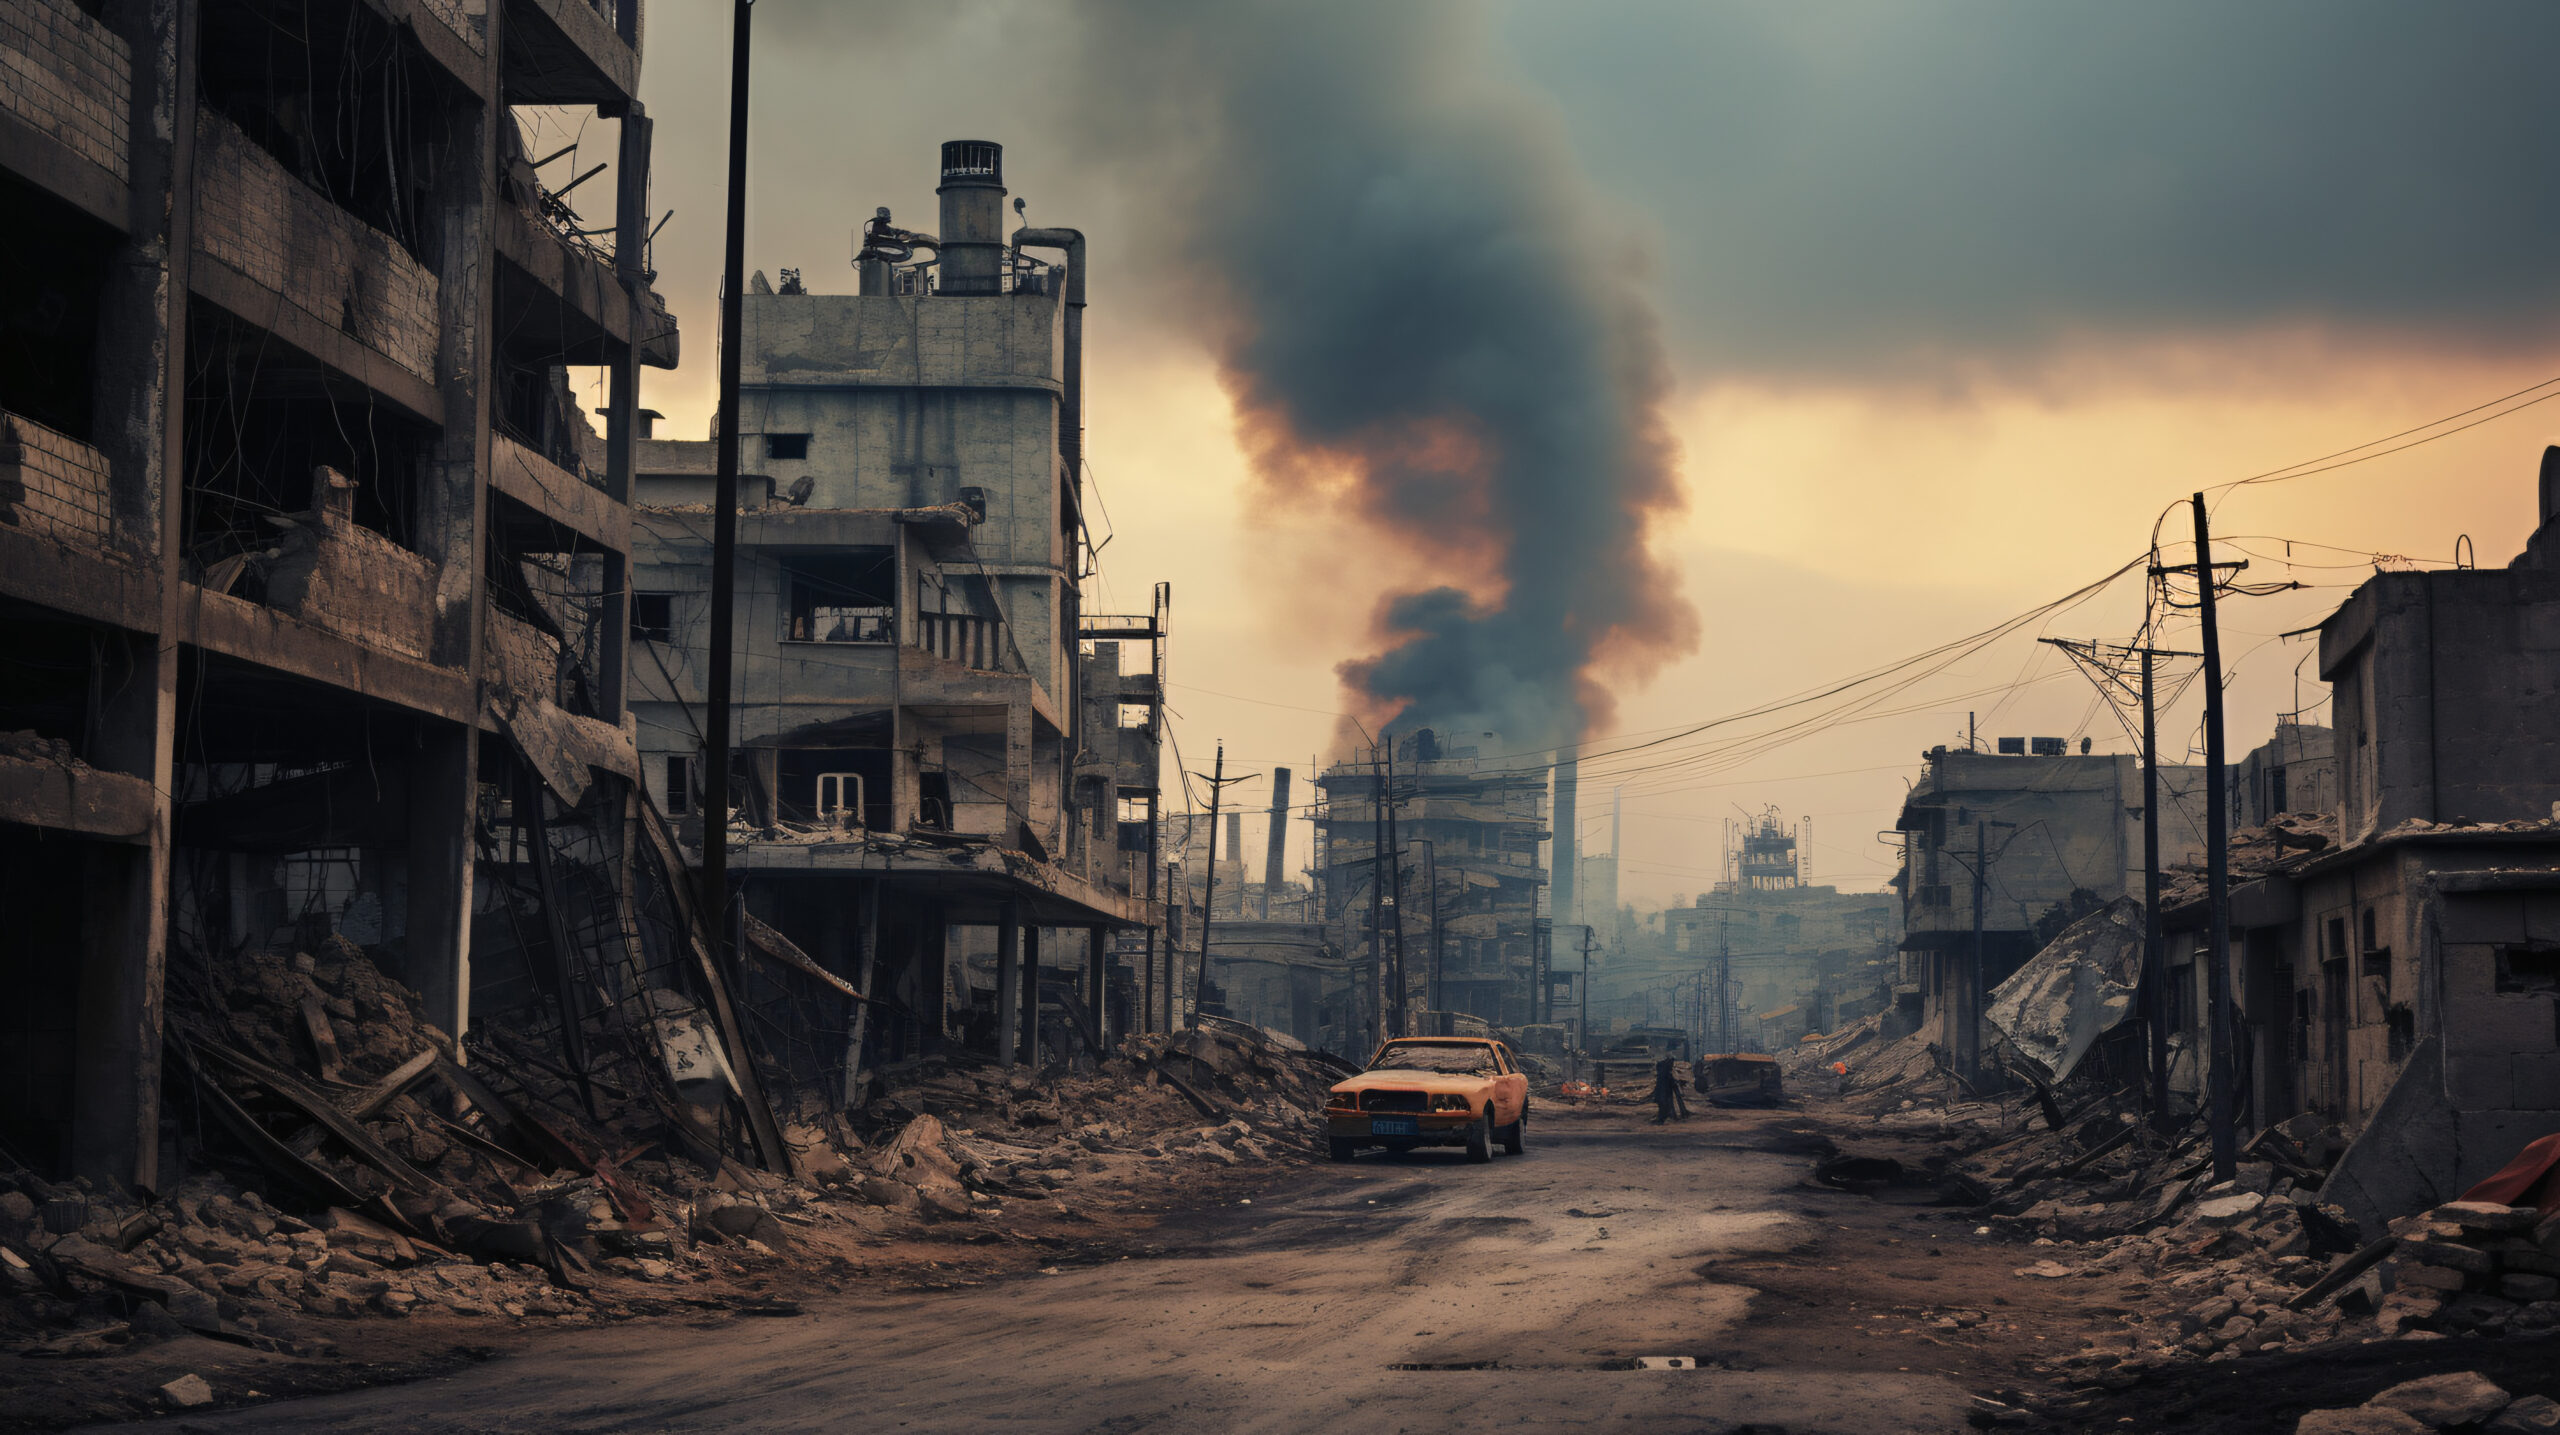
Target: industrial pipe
(1071, 420)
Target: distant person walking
(1666, 1092)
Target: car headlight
(1447, 1102)
(1341, 1101)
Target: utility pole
(2217, 863)
(2155, 946)
(1377, 894)
(1395, 869)
(2217, 858)
(1172, 947)
(1966, 1039)
(1218, 781)
(1431, 885)
(1584, 994)
(724, 510)
(1724, 976)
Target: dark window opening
(535, 406)
(2403, 1029)
(2533, 969)
(344, 101)
(2336, 936)
(257, 430)
(845, 598)
(679, 785)
(2276, 796)
(933, 799)
(786, 445)
(653, 617)
(52, 266)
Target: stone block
(2476, 1080)
(2413, 1276)
(2528, 1287)
(2527, 1415)
(2358, 1420)
(2459, 1398)
(2487, 1217)
(2469, 1260)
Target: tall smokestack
(1562, 855)
(1235, 857)
(972, 192)
(1272, 862)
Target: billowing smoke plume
(1421, 325)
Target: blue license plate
(1394, 1126)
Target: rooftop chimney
(1274, 861)
(972, 192)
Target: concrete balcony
(66, 88)
(572, 52)
(277, 255)
(562, 295)
(67, 795)
(558, 495)
(53, 485)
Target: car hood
(1396, 1079)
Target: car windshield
(1452, 1060)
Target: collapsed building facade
(1446, 850)
(2002, 850)
(314, 567)
(945, 770)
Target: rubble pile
(2461, 1400)
(2209, 1270)
(398, 1181)
(1222, 1094)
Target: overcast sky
(1951, 301)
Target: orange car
(1432, 1091)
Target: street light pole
(724, 514)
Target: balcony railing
(970, 641)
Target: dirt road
(1412, 1293)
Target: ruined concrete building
(313, 567)
(1796, 956)
(941, 755)
(2396, 951)
(2026, 839)
(1482, 820)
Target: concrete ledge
(576, 51)
(585, 284)
(554, 492)
(1056, 897)
(76, 799)
(87, 583)
(58, 170)
(258, 306)
(252, 633)
(442, 31)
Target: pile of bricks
(2471, 1266)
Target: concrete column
(444, 810)
(124, 927)
(1031, 995)
(933, 1007)
(1008, 982)
(867, 937)
(1017, 766)
(1095, 972)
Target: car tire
(1480, 1138)
(1516, 1135)
(1340, 1149)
